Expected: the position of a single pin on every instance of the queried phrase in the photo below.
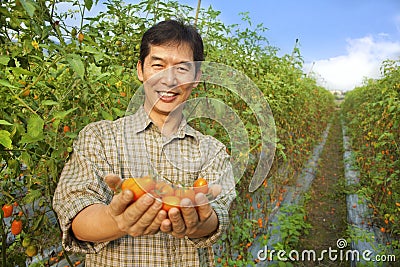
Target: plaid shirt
(134, 147)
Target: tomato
(8, 210)
(200, 186)
(66, 129)
(163, 189)
(73, 32)
(138, 186)
(26, 92)
(16, 227)
(170, 202)
(184, 192)
(81, 36)
(31, 251)
(26, 242)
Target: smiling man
(156, 140)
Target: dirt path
(327, 204)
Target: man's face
(168, 75)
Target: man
(155, 140)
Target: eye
(157, 66)
(183, 68)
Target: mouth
(167, 96)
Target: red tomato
(184, 192)
(7, 210)
(170, 202)
(81, 36)
(16, 227)
(200, 186)
(66, 129)
(138, 186)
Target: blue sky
(341, 41)
(322, 26)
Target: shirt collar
(142, 122)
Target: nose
(169, 77)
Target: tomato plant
(56, 78)
(371, 113)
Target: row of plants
(56, 78)
(371, 114)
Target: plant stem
(3, 244)
(197, 12)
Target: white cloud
(363, 60)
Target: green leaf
(76, 64)
(3, 122)
(88, 4)
(19, 70)
(49, 102)
(38, 222)
(62, 114)
(26, 159)
(118, 112)
(7, 84)
(35, 126)
(106, 115)
(5, 139)
(4, 60)
(32, 196)
(29, 6)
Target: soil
(326, 207)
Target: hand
(143, 217)
(192, 221)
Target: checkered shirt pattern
(133, 146)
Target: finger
(204, 208)
(156, 224)
(135, 211)
(120, 202)
(215, 190)
(113, 181)
(178, 224)
(189, 213)
(147, 219)
(166, 226)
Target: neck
(168, 124)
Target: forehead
(176, 52)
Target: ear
(139, 70)
(197, 79)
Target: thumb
(113, 181)
(120, 202)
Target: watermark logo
(340, 253)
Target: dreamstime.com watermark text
(337, 254)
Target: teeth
(166, 94)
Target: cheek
(188, 91)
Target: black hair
(172, 32)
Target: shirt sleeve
(81, 184)
(219, 171)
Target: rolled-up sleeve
(80, 185)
